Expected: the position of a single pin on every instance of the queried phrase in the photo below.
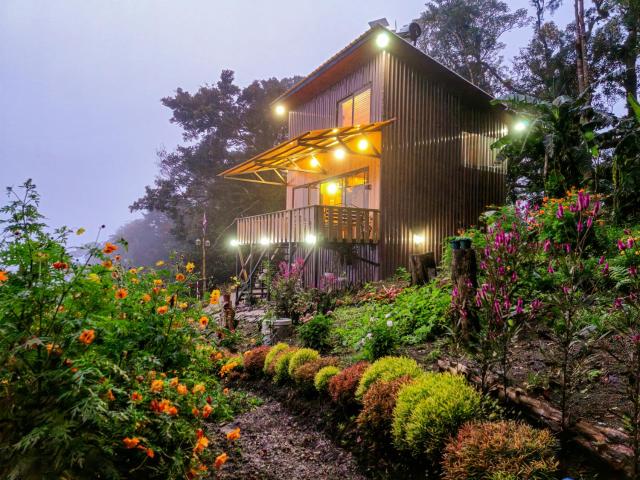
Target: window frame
(352, 97)
(345, 175)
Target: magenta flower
(583, 201)
(601, 260)
(550, 268)
(514, 277)
(519, 309)
(560, 212)
(633, 271)
(547, 245)
(579, 226)
(536, 304)
(617, 304)
(454, 292)
(605, 269)
(621, 245)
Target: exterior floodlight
(418, 239)
(234, 242)
(314, 162)
(332, 188)
(382, 40)
(339, 153)
(280, 110)
(310, 239)
(264, 241)
(520, 126)
(363, 144)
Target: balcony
(321, 223)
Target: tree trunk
(464, 276)
(582, 65)
(421, 267)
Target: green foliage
(305, 375)
(342, 387)
(324, 375)
(378, 404)
(315, 333)
(500, 450)
(271, 356)
(429, 410)
(300, 357)
(100, 366)
(388, 368)
(381, 340)
(281, 365)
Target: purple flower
(550, 268)
(454, 292)
(617, 304)
(633, 271)
(536, 304)
(560, 212)
(601, 260)
(596, 209)
(589, 222)
(629, 242)
(519, 309)
(583, 201)
(514, 277)
(547, 245)
(621, 245)
(579, 226)
(605, 269)
(567, 247)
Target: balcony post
(290, 216)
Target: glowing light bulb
(264, 241)
(363, 144)
(332, 188)
(310, 239)
(234, 242)
(280, 110)
(314, 162)
(382, 40)
(520, 126)
(418, 239)
(339, 153)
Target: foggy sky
(81, 82)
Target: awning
(269, 166)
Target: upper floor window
(477, 152)
(355, 109)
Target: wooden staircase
(259, 267)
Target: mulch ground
(275, 444)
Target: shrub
(321, 380)
(254, 360)
(378, 404)
(342, 387)
(271, 356)
(387, 368)
(500, 450)
(302, 356)
(431, 409)
(304, 375)
(315, 333)
(281, 365)
(382, 340)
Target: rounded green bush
(271, 356)
(302, 356)
(321, 380)
(281, 367)
(430, 410)
(388, 368)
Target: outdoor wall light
(363, 144)
(382, 40)
(332, 188)
(520, 126)
(234, 242)
(264, 241)
(339, 153)
(418, 239)
(310, 239)
(314, 162)
(280, 110)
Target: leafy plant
(299, 358)
(315, 333)
(378, 404)
(254, 360)
(281, 365)
(305, 375)
(381, 341)
(503, 449)
(324, 375)
(388, 368)
(271, 356)
(342, 387)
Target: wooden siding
(425, 187)
(349, 265)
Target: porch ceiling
(268, 167)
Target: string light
(363, 144)
(339, 153)
(314, 162)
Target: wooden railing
(325, 223)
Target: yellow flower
(180, 277)
(182, 389)
(215, 297)
(80, 231)
(189, 267)
(93, 277)
(203, 442)
(183, 305)
(159, 263)
(157, 386)
(146, 298)
(204, 321)
(199, 388)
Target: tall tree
(464, 35)
(222, 124)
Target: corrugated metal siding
(425, 187)
(350, 269)
(321, 112)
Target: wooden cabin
(388, 154)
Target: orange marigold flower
(204, 321)
(157, 282)
(146, 298)
(121, 293)
(117, 257)
(110, 396)
(225, 391)
(206, 410)
(136, 396)
(60, 265)
(195, 412)
(174, 382)
(108, 264)
(150, 453)
(131, 442)
(189, 267)
(182, 389)
(180, 277)
(4, 276)
(172, 411)
(199, 388)
(215, 297)
(220, 460)
(162, 310)
(87, 337)
(233, 434)
(201, 444)
(227, 367)
(109, 248)
(157, 386)
(219, 356)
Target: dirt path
(277, 445)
